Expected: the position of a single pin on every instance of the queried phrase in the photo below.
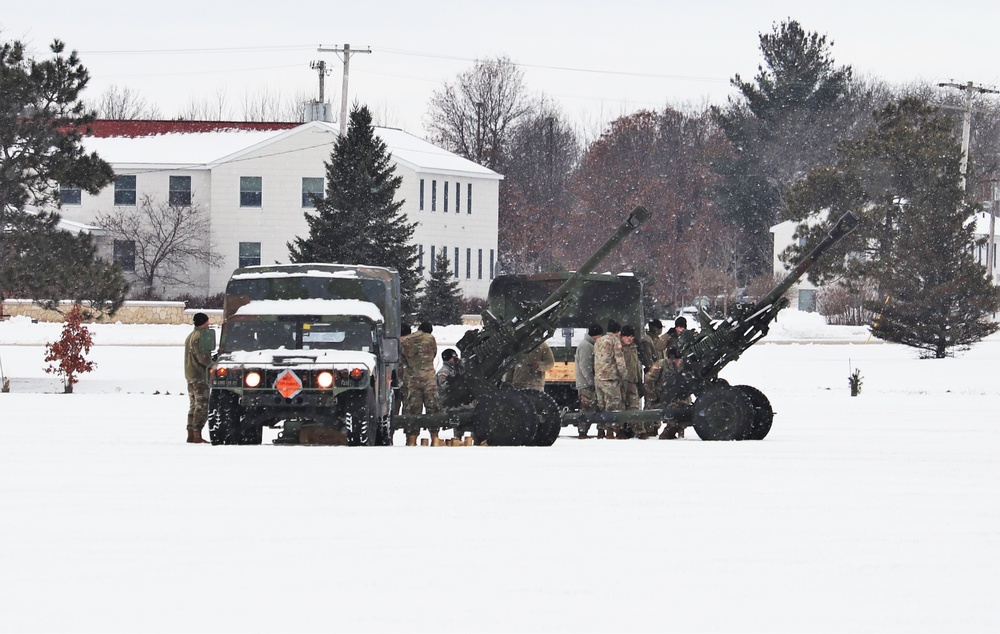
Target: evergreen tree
(785, 122)
(359, 220)
(442, 301)
(41, 122)
(916, 240)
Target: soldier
(417, 352)
(671, 337)
(451, 368)
(661, 381)
(585, 376)
(650, 347)
(529, 372)
(609, 372)
(632, 378)
(196, 362)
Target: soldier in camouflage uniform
(609, 373)
(632, 378)
(196, 363)
(585, 375)
(529, 372)
(399, 393)
(671, 338)
(417, 352)
(651, 348)
(451, 368)
(662, 380)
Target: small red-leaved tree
(70, 351)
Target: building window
(180, 191)
(434, 201)
(249, 254)
(312, 190)
(456, 262)
(125, 191)
(480, 264)
(420, 262)
(124, 254)
(421, 194)
(468, 200)
(70, 194)
(432, 258)
(468, 264)
(250, 191)
(446, 197)
(491, 264)
(458, 198)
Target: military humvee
(310, 348)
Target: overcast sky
(598, 60)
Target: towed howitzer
(741, 412)
(502, 415)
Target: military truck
(312, 349)
(598, 299)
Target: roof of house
(202, 144)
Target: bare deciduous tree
(168, 240)
(475, 116)
(124, 104)
(214, 108)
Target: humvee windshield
(297, 334)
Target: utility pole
(347, 66)
(320, 67)
(969, 88)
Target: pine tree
(359, 221)
(41, 123)
(442, 301)
(916, 240)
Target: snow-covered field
(875, 513)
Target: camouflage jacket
(585, 363)
(609, 359)
(196, 360)
(633, 370)
(446, 375)
(417, 353)
(651, 349)
(663, 381)
(529, 372)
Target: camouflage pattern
(417, 353)
(609, 372)
(446, 374)
(196, 363)
(647, 353)
(632, 376)
(660, 381)
(529, 372)
(197, 404)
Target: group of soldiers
(615, 372)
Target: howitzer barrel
(635, 219)
(847, 223)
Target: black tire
(505, 418)
(224, 414)
(383, 435)
(722, 412)
(549, 420)
(359, 406)
(763, 415)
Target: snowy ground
(876, 513)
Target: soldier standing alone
(418, 352)
(196, 361)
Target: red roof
(103, 128)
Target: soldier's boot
(601, 433)
(639, 431)
(411, 440)
(194, 436)
(670, 431)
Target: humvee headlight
(324, 379)
(252, 379)
(356, 374)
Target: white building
(254, 180)
(783, 232)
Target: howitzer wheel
(549, 420)
(762, 414)
(505, 418)
(722, 412)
